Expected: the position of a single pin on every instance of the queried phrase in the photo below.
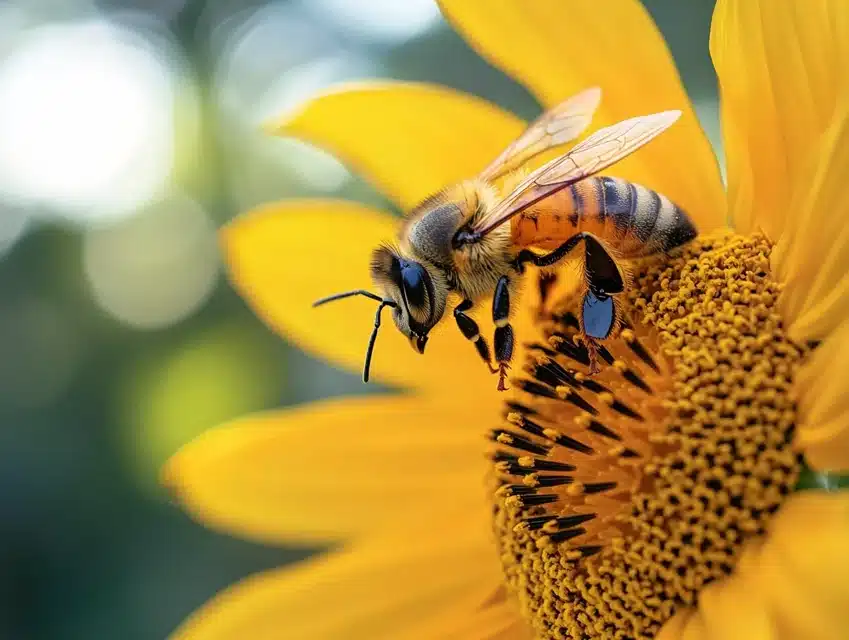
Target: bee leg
(603, 276)
(598, 318)
(503, 340)
(550, 258)
(469, 328)
(545, 283)
(592, 350)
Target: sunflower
(656, 499)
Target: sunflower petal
(497, 620)
(795, 569)
(780, 68)
(784, 587)
(673, 629)
(329, 470)
(517, 631)
(823, 405)
(411, 140)
(558, 48)
(729, 609)
(382, 589)
(284, 256)
(812, 257)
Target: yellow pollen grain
(514, 418)
(531, 480)
(549, 527)
(606, 398)
(649, 477)
(513, 502)
(502, 492)
(583, 420)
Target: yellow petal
(497, 620)
(730, 609)
(780, 65)
(517, 631)
(558, 48)
(284, 256)
(332, 469)
(410, 140)
(673, 629)
(790, 585)
(823, 405)
(812, 257)
(385, 588)
(800, 568)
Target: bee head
(417, 288)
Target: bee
(474, 240)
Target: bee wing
(559, 125)
(597, 152)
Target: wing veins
(597, 152)
(555, 127)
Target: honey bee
(458, 243)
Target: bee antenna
(348, 294)
(368, 294)
(373, 337)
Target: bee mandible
(457, 242)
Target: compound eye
(413, 280)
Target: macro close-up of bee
(458, 241)
(424, 319)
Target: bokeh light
(298, 61)
(13, 22)
(156, 268)
(86, 122)
(312, 166)
(267, 168)
(167, 399)
(302, 82)
(387, 20)
(162, 9)
(275, 34)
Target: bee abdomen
(652, 219)
(633, 219)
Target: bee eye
(413, 278)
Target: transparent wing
(557, 126)
(597, 152)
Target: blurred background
(129, 132)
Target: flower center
(619, 496)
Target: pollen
(620, 495)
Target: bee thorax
(430, 234)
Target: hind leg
(599, 314)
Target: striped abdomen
(630, 218)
